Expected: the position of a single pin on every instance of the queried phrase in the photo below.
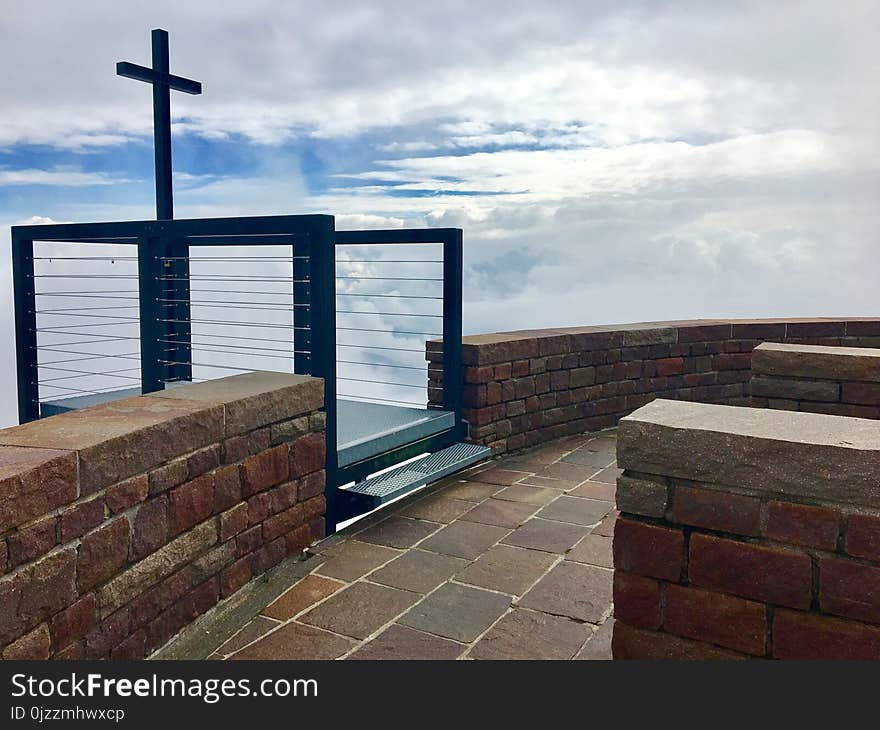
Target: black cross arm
(142, 73)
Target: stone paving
(508, 560)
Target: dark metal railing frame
(163, 250)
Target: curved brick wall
(522, 388)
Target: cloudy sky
(608, 161)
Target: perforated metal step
(416, 474)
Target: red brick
(732, 361)
(799, 524)
(190, 503)
(714, 510)
(829, 328)
(112, 631)
(308, 454)
(227, 488)
(520, 368)
(493, 393)
(264, 470)
(34, 482)
(170, 475)
(474, 396)
(233, 521)
(259, 508)
(300, 538)
(716, 618)
(249, 540)
(768, 574)
(150, 527)
(636, 600)
(30, 542)
(282, 497)
(849, 589)
(80, 518)
(4, 556)
(478, 375)
(235, 576)
(102, 553)
(73, 622)
(704, 332)
(863, 536)
(628, 642)
(648, 549)
(669, 366)
(126, 494)
(314, 507)
(131, 648)
(279, 524)
(798, 635)
(202, 461)
(867, 394)
(312, 485)
(34, 645)
(206, 594)
(145, 607)
(37, 591)
(503, 371)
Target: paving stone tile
(582, 592)
(593, 550)
(466, 540)
(552, 537)
(599, 644)
(251, 631)
(353, 559)
(578, 510)
(499, 512)
(603, 443)
(570, 472)
(501, 476)
(535, 481)
(456, 612)
(529, 495)
(608, 476)
(595, 490)
(398, 532)
(594, 460)
(418, 571)
(507, 569)
(307, 592)
(438, 508)
(527, 635)
(360, 609)
(400, 642)
(471, 491)
(606, 526)
(296, 641)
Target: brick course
(115, 566)
(586, 378)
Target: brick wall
(843, 381)
(523, 388)
(121, 523)
(746, 533)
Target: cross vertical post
(162, 127)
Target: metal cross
(163, 81)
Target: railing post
(151, 251)
(24, 295)
(176, 265)
(452, 312)
(301, 255)
(322, 260)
